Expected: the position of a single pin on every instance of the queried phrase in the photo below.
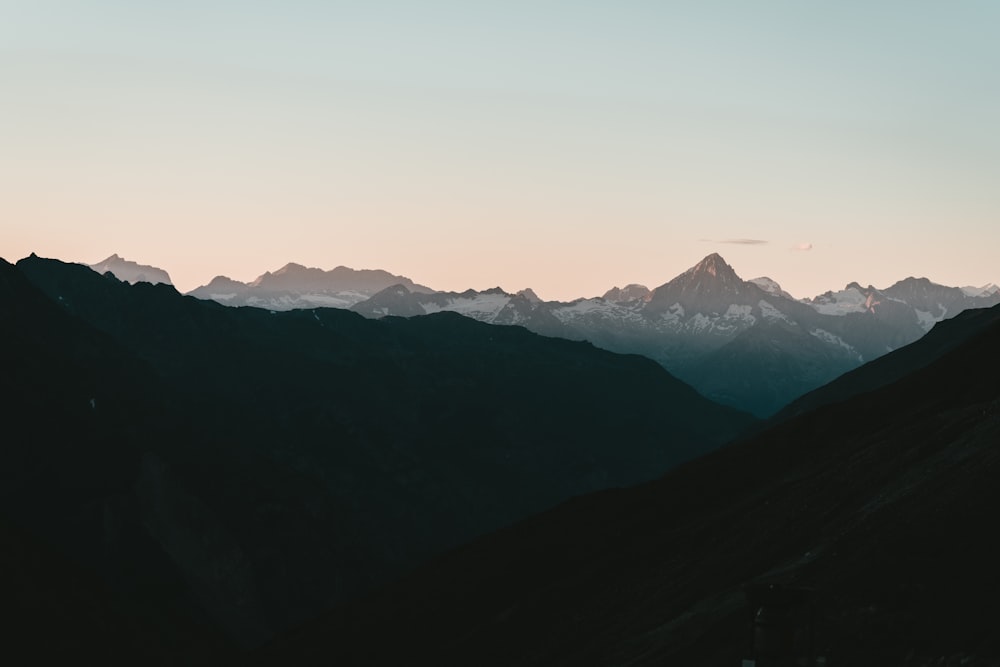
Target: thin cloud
(736, 241)
(802, 247)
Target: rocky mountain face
(743, 343)
(131, 272)
(235, 472)
(859, 533)
(295, 286)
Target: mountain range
(743, 343)
(183, 482)
(131, 272)
(295, 286)
(241, 470)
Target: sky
(564, 146)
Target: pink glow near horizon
(609, 147)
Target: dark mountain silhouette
(877, 510)
(81, 577)
(245, 470)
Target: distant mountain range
(295, 286)
(747, 344)
(743, 343)
(131, 272)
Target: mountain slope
(879, 509)
(272, 465)
(770, 364)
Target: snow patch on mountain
(834, 339)
(771, 287)
(630, 292)
(769, 312)
(582, 306)
(741, 313)
(339, 300)
(700, 322)
(847, 300)
(482, 306)
(927, 320)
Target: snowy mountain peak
(770, 286)
(630, 292)
(711, 286)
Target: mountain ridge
(359, 446)
(871, 509)
(688, 324)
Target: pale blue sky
(566, 146)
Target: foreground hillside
(244, 470)
(879, 509)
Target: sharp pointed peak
(713, 264)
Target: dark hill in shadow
(880, 508)
(81, 578)
(253, 469)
